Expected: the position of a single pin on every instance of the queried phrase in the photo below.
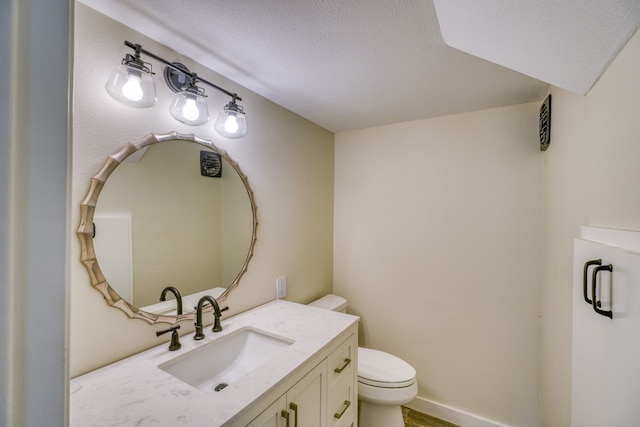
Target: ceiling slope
(567, 43)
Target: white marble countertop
(135, 392)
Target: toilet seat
(379, 369)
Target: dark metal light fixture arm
(139, 48)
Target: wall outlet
(281, 287)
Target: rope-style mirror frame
(87, 211)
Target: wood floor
(418, 419)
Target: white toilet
(384, 381)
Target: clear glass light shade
(131, 86)
(189, 108)
(231, 124)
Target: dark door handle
(585, 274)
(594, 282)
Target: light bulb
(132, 87)
(190, 109)
(132, 90)
(231, 124)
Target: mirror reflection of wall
(187, 230)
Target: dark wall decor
(545, 123)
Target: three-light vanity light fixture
(132, 84)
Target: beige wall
(591, 177)
(453, 235)
(438, 247)
(288, 161)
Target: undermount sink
(215, 365)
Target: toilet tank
(331, 302)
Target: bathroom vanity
(281, 364)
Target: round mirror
(177, 212)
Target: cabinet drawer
(342, 407)
(342, 363)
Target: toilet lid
(380, 369)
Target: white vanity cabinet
(304, 404)
(313, 367)
(326, 396)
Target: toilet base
(376, 415)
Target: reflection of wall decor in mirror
(210, 164)
(159, 222)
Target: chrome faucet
(174, 291)
(217, 313)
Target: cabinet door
(272, 416)
(343, 400)
(342, 362)
(606, 351)
(306, 401)
(342, 408)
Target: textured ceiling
(350, 64)
(566, 43)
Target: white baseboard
(452, 415)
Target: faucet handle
(175, 337)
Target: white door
(606, 350)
